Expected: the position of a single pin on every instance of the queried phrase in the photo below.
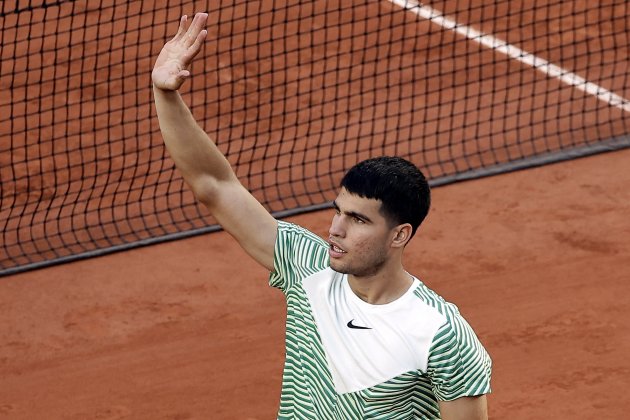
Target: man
(364, 338)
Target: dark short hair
(399, 184)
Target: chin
(339, 268)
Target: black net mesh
(294, 92)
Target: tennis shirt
(348, 359)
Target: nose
(336, 227)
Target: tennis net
(294, 92)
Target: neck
(382, 287)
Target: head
(394, 196)
(397, 183)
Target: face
(359, 236)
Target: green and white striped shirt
(347, 359)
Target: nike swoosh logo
(357, 327)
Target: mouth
(335, 251)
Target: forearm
(197, 157)
(194, 153)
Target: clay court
(538, 260)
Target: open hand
(171, 67)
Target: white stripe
(516, 53)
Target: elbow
(205, 189)
(212, 192)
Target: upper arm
(242, 216)
(458, 364)
(465, 408)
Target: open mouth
(335, 248)
(335, 251)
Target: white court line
(516, 53)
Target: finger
(194, 49)
(182, 28)
(179, 79)
(199, 21)
(196, 46)
(196, 27)
(173, 81)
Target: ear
(402, 234)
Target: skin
(465, 408)
(362, 242)
(203, 167)
(371, 249)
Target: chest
(366, 345)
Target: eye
(358, 220)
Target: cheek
(369, 246)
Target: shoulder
(289, 231)
(438, 304)
(454, 332)
(297, 238)
(298, 253)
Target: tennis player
(364, 338)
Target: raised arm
(204, 168)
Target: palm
(171, 67)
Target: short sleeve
(459, 366)
(298, 253)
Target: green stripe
(458, 364)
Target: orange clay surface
(538, 261)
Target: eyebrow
(352, 213)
